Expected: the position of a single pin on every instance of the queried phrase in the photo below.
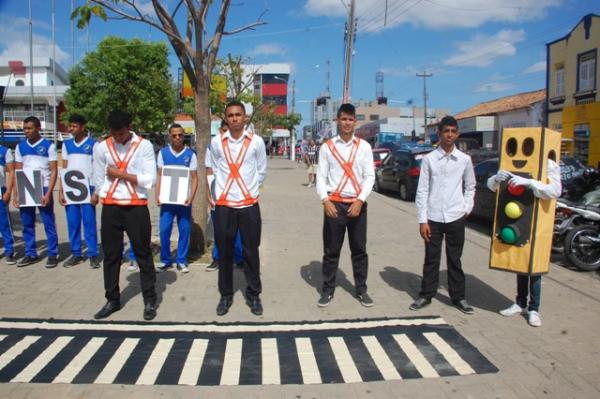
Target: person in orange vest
(345, 178)
(124, 173)
(239, 163)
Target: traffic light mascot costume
(527, 185)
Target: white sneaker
(534, 319)
(512, 310)
(133, 266)
(183, 268)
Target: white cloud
(434, 14)
(494, 87)
(145, 7)
(267, 49)
(537, 67)
(14, 41)
(483, 50)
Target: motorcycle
(566, 219)
(582, 243)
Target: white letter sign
(75, 185)
(30, 187)
(174, 185)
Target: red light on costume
(516, 190)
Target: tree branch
(176, 9)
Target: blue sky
(477, 50)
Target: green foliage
(132, 75)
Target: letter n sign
(30, 187)
(174, 185)
(75, 186)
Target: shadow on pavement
(402, 281)
(313, 275)
(133, 288)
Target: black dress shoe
(108, 309)
(463, 306)
(224, 305)
(149, 311)
(420, 303)
(255, 305)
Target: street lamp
(292, 141)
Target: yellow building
(572, 100)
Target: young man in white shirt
(239, 164)
(444, 199)
(77, 154)
(176, 154)
(6, 183)
(37, 153)
(345, 178)
(124, 173)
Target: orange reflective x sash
(122, 165)
(348, 172)
(234, 175)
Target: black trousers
(454, 235)
(248, 221)
(334, 230)
(135, 220)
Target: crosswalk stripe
(79, 361)
(462, 367)
(270, 362)
(2, 337)
(41, 360)
(308, 364)
(344, 360)
(415, 356)
(232, 362)
(381, 359)
(193, 363)
(17, 349)
(155, 362)
(116, 362)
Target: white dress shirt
(330, 172)
(446, 186)
(142, 164)
(541, 190)
(252, 171)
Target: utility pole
(72, 35)
(425, 75)
(351, 24)
(54, 115)
(293, 96)
(31, 58)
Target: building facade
(271, 84)
(572, 89)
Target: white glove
(502, 175)
(520, 181)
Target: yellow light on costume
(513, 210)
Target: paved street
(558, 360)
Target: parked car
(379, 154)
(400, 172)
(571, 173)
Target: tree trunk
(202, 124)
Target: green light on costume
(509, 235)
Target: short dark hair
(347, 109)
(77, 118)
(32, 119)
(118, 119)
(447, 120)
(235, 103)
(223, 123)
(175, 126)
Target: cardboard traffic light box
(523, 223)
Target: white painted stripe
(208, 328)
(308, 363)
(16, 350)
(344, 360)
(116, 362)
(155, 362)
(230, 375)
(461, 367)
(2, 337)
(42, 360)
(381, 359)
(193, 363)
(415, 356)
(79, 361)
(270, 362)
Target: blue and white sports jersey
(6, 157)
(79, 156)
(168, 157)
(36, 156)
